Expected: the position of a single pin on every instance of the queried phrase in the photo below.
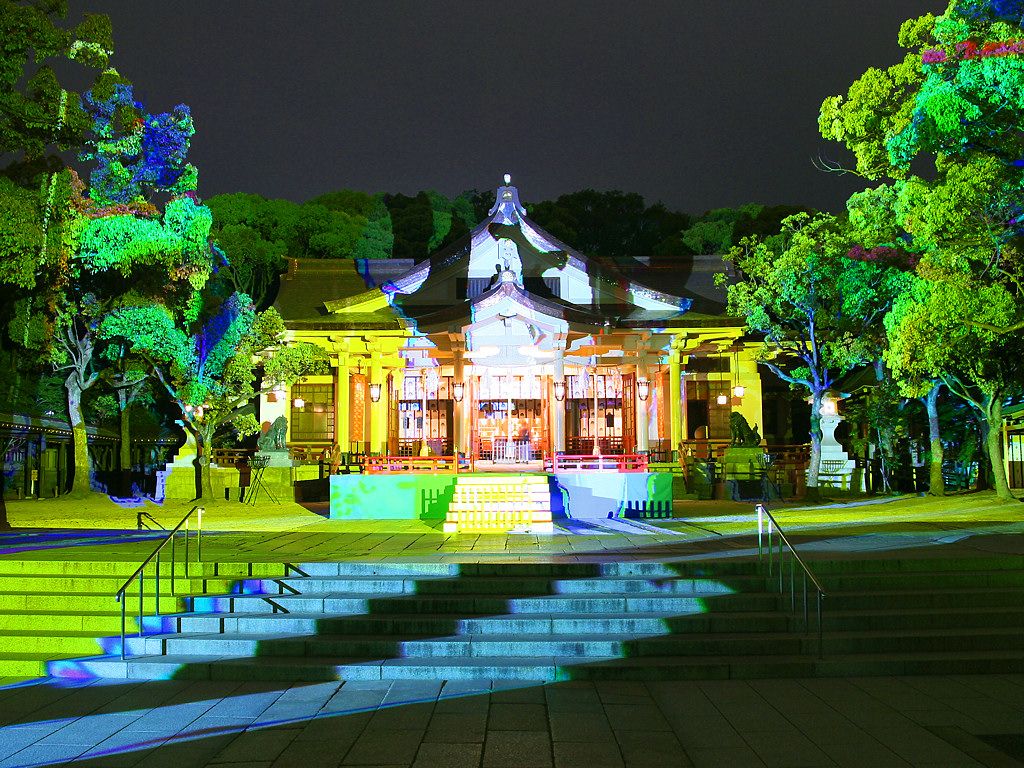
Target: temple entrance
(425, 416)
(595, 419)
(509, 419)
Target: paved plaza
(945, 722)
(936, 720)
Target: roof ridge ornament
(507, 208)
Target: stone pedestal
(741, 471)
(832, 451)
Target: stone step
(592, 644)
(108, 585)
(48, 643)
(543, 668)
(667, 604)
(441, 624)
(519, 585)
(32, 665)
(124, 569)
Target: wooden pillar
(378, 410)
(643, 443)
(675, 397)
(558, 407)
(745, 374)
(460, 408)
(343, 405)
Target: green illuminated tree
(942, 129)
(820, 311)
(215, 366)
(978, 365)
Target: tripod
(257, 465)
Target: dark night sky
(699, 104)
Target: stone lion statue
(274, 438)
(742, 434)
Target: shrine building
(509, 346)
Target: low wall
(613, 494)
(391, 497)
(573, 494)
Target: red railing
(437, 465)
(628, 462)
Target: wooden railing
(629, 462)
(231, 457)
(380, 465)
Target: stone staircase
(52, 610)
(500, 503)
(559, 621)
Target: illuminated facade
(509, 345)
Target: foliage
(955, 102)
(819, 311)
(36, 112)
(136, 153)
(613, 224)
(216, 365)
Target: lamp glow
(298, 402)
(722, 399)
(643, 388)
(458, 391)
(559, 390)
(739, 390)
(374, 393)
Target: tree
(951, 108)
(37, 113)
(115, 232)
(976, 364)
(820, 312)
(941, 128)
(252, 263)
(216, 366)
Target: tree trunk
(994, 443)
(126, 436)
(80, 486)
(936, 485)
(813, 469)
(204, 477)
(5, 524)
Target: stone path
(875, 722)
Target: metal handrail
(140, 572)
(808, 575)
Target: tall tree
(215, 366)
(942, 129)
(820, 312)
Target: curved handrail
(763, 508)
(162, 544)
(762, 512)
(121, 594)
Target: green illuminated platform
(424, 496)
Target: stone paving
(946, 721)
(915, 721)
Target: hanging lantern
(374, 393)
(723, 399)
(298, 402)
(458, 391)
(559, 387)
(643, 388)
(739, 390)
